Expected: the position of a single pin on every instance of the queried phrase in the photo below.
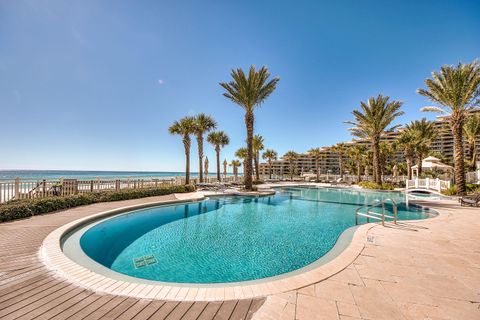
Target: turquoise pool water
(233, 238)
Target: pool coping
(53, 257)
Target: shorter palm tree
(471, 132)
(202, 125)
(270, 155)
(257, 147)
(291, 157)
(317, 154)
(371, 122)
(184, 128)
(340, 149)
(235, 164)
(357, 154)
(218, 139)
(425, 133)
(407, 142)
(242, 154)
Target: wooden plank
(64, 306)
(106, 308)
(147, 312)
(179, 311)
(34, 313)
(87, 309)
(195, 310)
(33, 302)
(118, 310)
(210, 310)
(24, 286)
(241, 310)
(76, 308)
(133, 310)
(165, 310)
(225, 310)
(28, 297)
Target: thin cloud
(161, 81)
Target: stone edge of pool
(52, 255)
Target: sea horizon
(91, 174)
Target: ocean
(55, 174)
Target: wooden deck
(28, 290)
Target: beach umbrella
(205, 169)
(225, 164)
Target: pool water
(231, 239)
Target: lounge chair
(473, 200)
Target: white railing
(28, 188)
(427, 184)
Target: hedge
(375, 186)
(24, 208)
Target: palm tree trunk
(409, 168)
(249, 120)
(256, 160)
(217, 150)
(340, 160)
(318, 169)
(270, 169)
(376, 160)
(186, 144)
(472, 155)
(419, 164)
(459, 170)
(291, 172)
(359, 172)
(200, 157)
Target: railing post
(439, 185)
(416, 183)
(383, 213)
(17, 188)
(44, 188)
(428, 183)
(117, 185)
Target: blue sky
(95, 84)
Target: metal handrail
(375, 215)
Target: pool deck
(427, 269)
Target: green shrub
(375, 186)
(472, 187)
(23, 208)
(452, 191)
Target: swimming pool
(230, 239)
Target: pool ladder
(377, 216)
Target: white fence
(427, 184)
(27, 188)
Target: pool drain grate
(144, 261)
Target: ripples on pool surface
(230, 239)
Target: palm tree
(318, 154)
(257, 147)
(455, 91)
(203, 124)
(387, 151)
(291, 157)
(372, 121)
(471, 131)
(407, 142)
(249, 92)
(218, 139)
(235, 165)
(184, 128)
(357, 154)
(340, 149)
(269, 155)
(425, 133)
(242, 154)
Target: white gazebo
(431, 163)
